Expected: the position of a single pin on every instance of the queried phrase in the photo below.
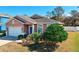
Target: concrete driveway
(7, 39)
(3, 42)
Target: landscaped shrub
(29, 37)
(36, 36)
(20, 36)
(55, 33)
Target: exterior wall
(25, 29)
(15, 23)
(44, 27)
(35, 28)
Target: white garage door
(15, 31)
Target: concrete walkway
(3, 42)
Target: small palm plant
(36, 37)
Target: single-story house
(27, 25)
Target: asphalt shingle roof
(24, 19)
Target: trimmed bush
(55, 33)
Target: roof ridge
(31, 20)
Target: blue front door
(30, 30)
(0, 27)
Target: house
(27, 25)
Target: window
(39, 28)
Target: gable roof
(24, 19)
(44, 19)
(36, 19)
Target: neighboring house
(27, 25)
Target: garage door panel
(15, 31)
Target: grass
(76, 42)
(13, 47)
(71, 44)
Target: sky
(30, 10)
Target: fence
(71, 28)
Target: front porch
(28, 29)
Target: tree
(74, 13)
(55, 33)
(58, 12)
(36, 16)
(75, 17)
(68, 21)
(72, 20)
(49, 14)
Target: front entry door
(30, 29)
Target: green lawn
(71, 44)
(76, 42)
